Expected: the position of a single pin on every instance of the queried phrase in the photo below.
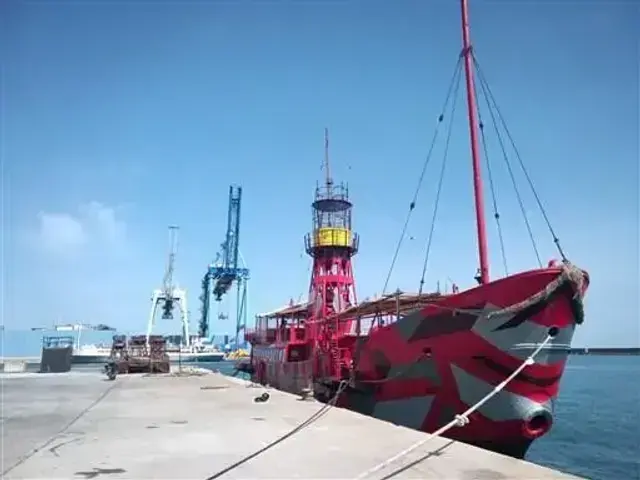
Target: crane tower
(170, 296)
(225, 271)
(331, 244)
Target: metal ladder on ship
(334, 350)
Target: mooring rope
(462, 419)
(570, 274)
(313, 418)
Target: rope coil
(570, 274)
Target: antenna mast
(327, 170)
(483, 276)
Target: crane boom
(233, 227)
(167, 283)
(225, 271)
(170, 296)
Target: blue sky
(120, 118)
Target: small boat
(196, 352)
(82, 354)
(90, 354)
(86, 354)
(238, 354)
(192, 357)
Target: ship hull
(89, 359)
(196, 357)
(432, 364)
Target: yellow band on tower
(332, 237)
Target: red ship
(418, 360)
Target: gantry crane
(170, 295)
(221, 274)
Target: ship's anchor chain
(462, 419)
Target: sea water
(21, 343)
(596, 432)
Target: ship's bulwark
(432, 364)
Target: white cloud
(60, 231)
(94, 224)
(102, 220)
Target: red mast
(475, 153)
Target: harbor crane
(224, 271)
(170, 296)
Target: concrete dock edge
(194, 424)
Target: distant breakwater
(604, 351)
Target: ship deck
(78, 425)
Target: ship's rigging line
(570, 274)
(496, 117)
(494, 198)
(511, 175)
(440, 181)
(490, 98)
(459, 420)
(452, 92)
(455, 79)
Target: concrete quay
(192, 425)
(19, 364)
